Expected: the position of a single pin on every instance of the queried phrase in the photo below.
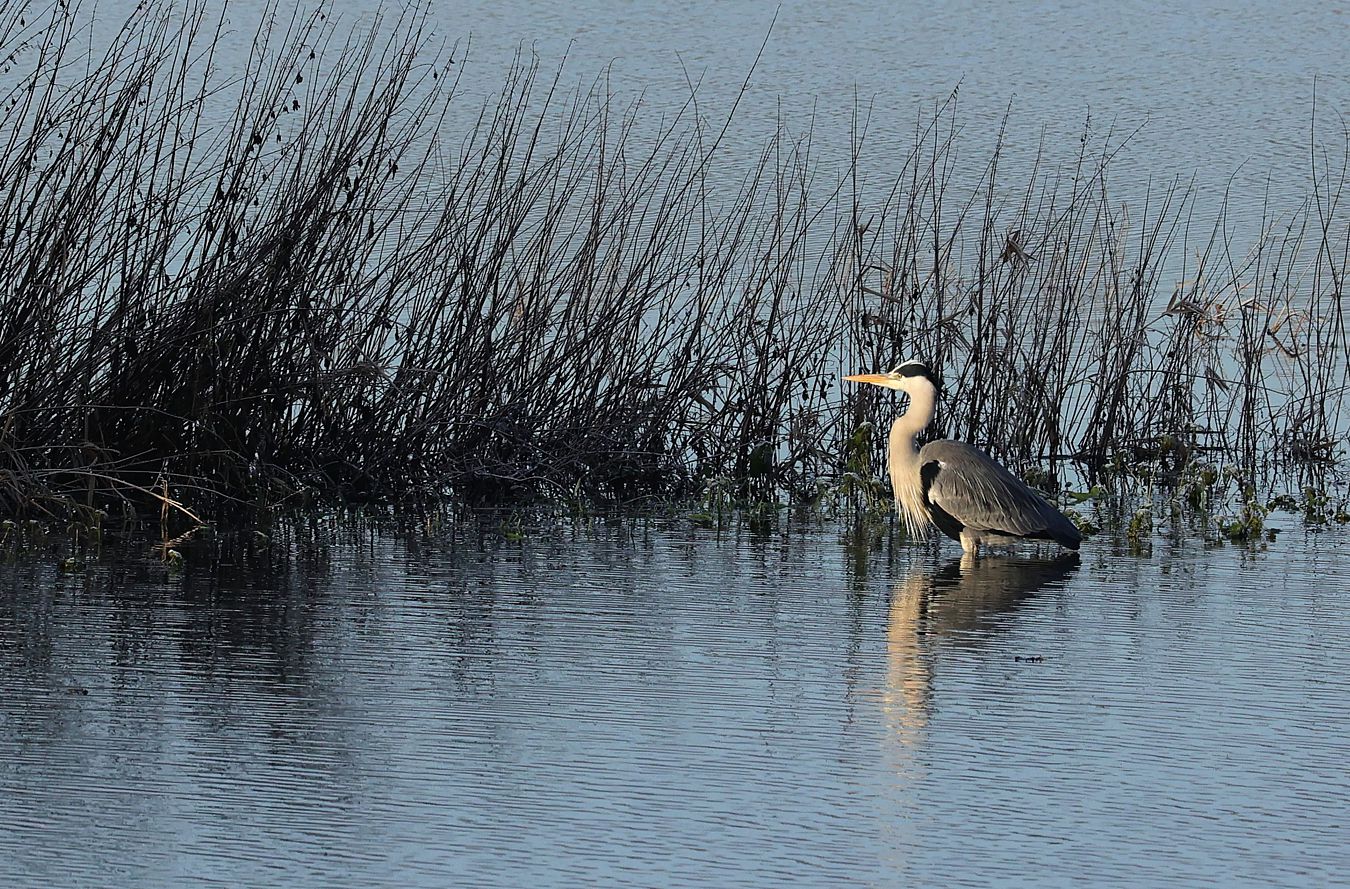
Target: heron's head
(908, 377)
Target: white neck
(902, 456)
(922, 406)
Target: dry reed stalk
(336, 294)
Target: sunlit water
(642, 703)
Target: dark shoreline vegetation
(329, 294)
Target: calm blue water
(640, 703)
(1233, 96)
(1223, 92)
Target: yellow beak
(874, 379)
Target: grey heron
(956, 486)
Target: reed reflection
(960, 604)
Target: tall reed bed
(1075, 330)
(304, 280)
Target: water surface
(1231, 95)
(640, 703)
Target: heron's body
(956, 486)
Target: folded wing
(966, 488)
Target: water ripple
(600, 705)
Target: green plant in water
(513, 529)
(1085, 525)
(1316, 506)
(1096, 492)
(867, 499)
(1037, 477)
(1248, 523)
(1283, 502)
(173, 560)
(718, 502)
(1199, 486)
(86, 527)
(858, 487)
(858, 450)
(1139, 529)
(762, 516)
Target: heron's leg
(970, 543)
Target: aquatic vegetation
(717, 504)
(1085, 525)
(1139, 530)
(1247, 524)
(299, 284)
(1316, 506)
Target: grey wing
(975, 490)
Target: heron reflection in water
(960, 605)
